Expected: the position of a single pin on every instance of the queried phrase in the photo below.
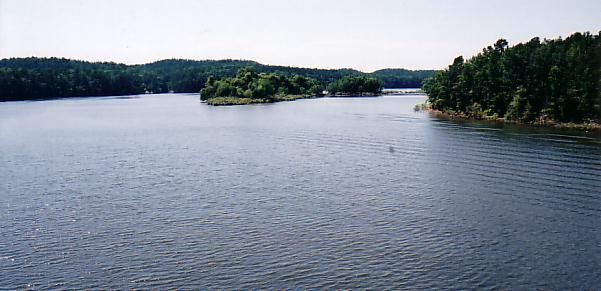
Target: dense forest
(36, 78)
(558, 80)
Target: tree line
(558, 79)
(36, 78)
(355, 85)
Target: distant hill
(402, 78)
(36, 78)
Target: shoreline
(231, 101)
(592, 126)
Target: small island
(250, 87)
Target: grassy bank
(221, 101)
(225, 101)
(292, 97)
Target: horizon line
(208, 60)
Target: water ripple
(315, 194)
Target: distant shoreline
(38, 78)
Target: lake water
(162, 191)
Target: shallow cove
(162, 191)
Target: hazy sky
(365, 35)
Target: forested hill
(402, 78)
(35, 78)
(558, 80)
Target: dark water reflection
(161, 191)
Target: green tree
(356, 85)
(554, 79)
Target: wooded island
(249, 87)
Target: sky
(359, 34)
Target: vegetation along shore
(545, 83)
(452, 115)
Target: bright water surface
(163, 191)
